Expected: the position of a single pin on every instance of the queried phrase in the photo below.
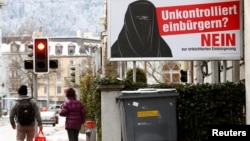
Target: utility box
(148, 114)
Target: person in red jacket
(75, 114)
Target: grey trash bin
(148, 115)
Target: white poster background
(116, 13)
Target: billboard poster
(174, 30)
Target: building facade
(76, 56)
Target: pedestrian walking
(75, 114)
(23, 115)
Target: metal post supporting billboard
(134, 71)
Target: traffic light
(28, 64)
(41, 55)
(74, 74)
(30, 54)
(53, 64)
(183, 76)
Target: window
(58, 76)
(13, 87)
(13, 73)
(71, 62)
(171, 72)
(58, 90)
(45, 89)
(82, 50)
(71, 49)
(59, 49)
(15, 47)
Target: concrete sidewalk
(4, 120)
(60, 134)
(56, 134)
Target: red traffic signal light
(41, 55)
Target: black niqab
(139, 36)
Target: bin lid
(149, 90)
(148, 93)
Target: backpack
(25, 112)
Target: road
(57, 133)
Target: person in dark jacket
(139, 36)
(24, 131)
(75, 114)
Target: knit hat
(22, 90)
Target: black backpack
(25, 112)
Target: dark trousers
(73, 134)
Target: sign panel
(150, 113)
(175, 30)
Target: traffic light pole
(35, 94)
(35, 86)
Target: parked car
(49, 117)
(4, 112)
(56, 108)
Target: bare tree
(27, 28)
(162, 71)
(152, 70)
(17, 74)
